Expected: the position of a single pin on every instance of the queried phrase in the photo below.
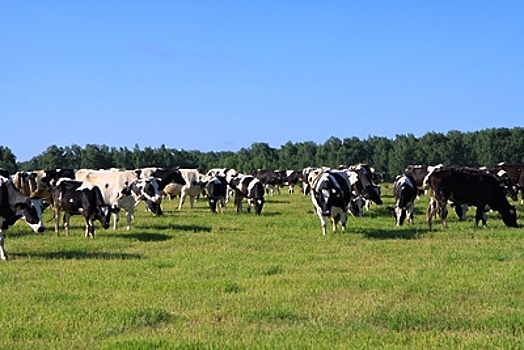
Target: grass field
(197, 280)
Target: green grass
(193, 279)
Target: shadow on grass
(173, 227)
(392, 233)
(75, 254)
(141, 236)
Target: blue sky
(221, 75)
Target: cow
(249, 187)
(166, 178)
(228, 174)
(76, 198)
(121, 189)
(15, 205)
(193, 187)
(364, 190)
(287, 178)
(418, 173)
(268, 178)
(515, 173)
(39, 183)
(216, 188)
(404, 193)
(331, 195)
(467, 186)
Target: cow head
(369, 190)
(103, 214)
(510, 217)
(31, 212)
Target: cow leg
(238, 202)
(411, 212)
(443, 213)
(323, 223)
(344, 219)
(90, 227)
(66, 224)
(129, 218)
(116, 217)
(431, 211)
(56, 214)
(192, 201)
(480, 215)
(3, 254)
(182, 200)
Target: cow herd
(99, 195)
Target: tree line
(480, 148)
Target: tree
(8, 160)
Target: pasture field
(197, 280)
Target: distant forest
(480, 148)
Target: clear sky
(221, 75)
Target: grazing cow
(404, 193)
(287, 178)
(515, 173)
(15, 205)
(364, 190)
(216, 188)
(194, 183)
(331, 196)
(228, 174)
(467, 186)
(269, 179)
(166, 178)
(121, 189)
(76, 198)
(247, 186)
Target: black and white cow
(15, 205)
(287, 178)
(404, 193)
(228, 173)
(331, 195)
(76, 198)
(249, 187)
(165, 177)
(466, 186)
(216, 188)
(364, 190)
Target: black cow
(247, 186)
(13, 206)
(76, 198)
(467, 186)
(216, 188)
(331, 196)
(404, 193)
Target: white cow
(121, 189)
(195, 183)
